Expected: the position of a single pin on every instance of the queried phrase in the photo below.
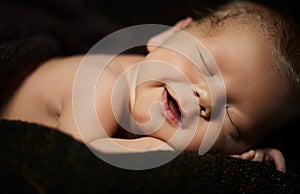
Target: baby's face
(253, 92)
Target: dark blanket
(37, 159)
(30, 33)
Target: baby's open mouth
(171, 108)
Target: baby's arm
(265, 155)
(116, 145)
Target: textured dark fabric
(32, 33)
(36, 159)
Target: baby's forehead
(240, 17)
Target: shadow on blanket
(36, 159)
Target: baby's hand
(264, 155)
(160, 38)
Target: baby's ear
(163, 36)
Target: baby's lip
(171, 108)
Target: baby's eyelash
(204, 63)
(235, 132)
(230, 118)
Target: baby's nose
(204, 100)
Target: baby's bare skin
(53, 108)
(45, 96)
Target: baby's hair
(279, 31)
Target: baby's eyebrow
(206, 69)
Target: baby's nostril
(196, 94)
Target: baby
(245, 47)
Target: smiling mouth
(171, 108)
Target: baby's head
(278, 34)
(279, 37)
(257, 53)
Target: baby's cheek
(197, 137)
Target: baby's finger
(277, 157)
(249, 155)
(183, 23)
(160, 38)
(259, 156)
